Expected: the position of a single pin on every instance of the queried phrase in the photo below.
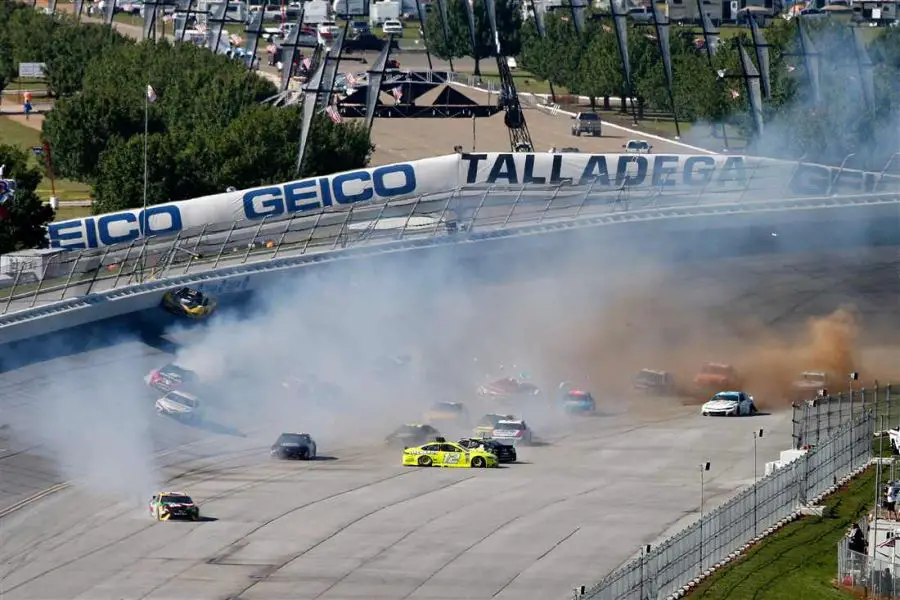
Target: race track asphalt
(355, 524)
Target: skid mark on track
(497, 529)
(537, 560)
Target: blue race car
(577, 401)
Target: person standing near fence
(857, 540)
(890, 504)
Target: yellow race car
(188, 302)
(441, 453)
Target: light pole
(704, 467)
(756, 436)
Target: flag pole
(144, 211)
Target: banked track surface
(360, 526)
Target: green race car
(169, 505)
(441, 453)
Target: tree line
(208, 128)
(708, 91)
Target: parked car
(586, 124)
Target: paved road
(360, 525)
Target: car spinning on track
(487, 423)
(505, 453)
(188, 302)
(716, 376)
(729, 404)
(180, 405)
(810, 385)
(513, 432)
(412, 434)
(447, 412)
(441, 453)
(171, 377)
(650, 381)
(294, 445)
(576, 401)
(167, 505)
(507, 388)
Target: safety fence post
(190, 261)
(72, 272)
(284, 233)
(512, 207)
(122, 266)
(409, 216)
(12, 292)
(312, 232)
(253, 241)
(344, 223)
(173, 251)
(480, 204)
(550, 203)
(835, 179)
(756, 168)
(441, 219)
(41, 282)
(224, 245)
(584, 199)
(138, 271)
(883, 173)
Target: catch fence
(44, 277)
(674, 563)
(816, 419)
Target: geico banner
(673, 172)
(384, 183)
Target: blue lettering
(383, 190)
(269, 198)
(663, 176)
(628, 163)
(61, 233)
(326, 191)
(173, 213)
(90, 231)
(691, 170)
(107, 238)
(294, 194)
(337, 184)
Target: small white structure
(32, 264)
(786, 457)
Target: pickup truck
(586, 123)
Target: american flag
(397, 93)
(351, 80)
(333, 113)
(735, 94)
(307, 64)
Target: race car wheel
(478, 462)
(424, 461)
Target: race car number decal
(451, 458)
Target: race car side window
(449, 448)
(431, 448)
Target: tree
(509, 23)
(25, 216)
(257, 148)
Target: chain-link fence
(684, 557)
(816, 419)
(35, 277)
(873, 577)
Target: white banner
(668, 173)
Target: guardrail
(815, 419)
(461, 214)
(669, 568)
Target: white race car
(512, 432)
(729, 404)
(180, 405)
